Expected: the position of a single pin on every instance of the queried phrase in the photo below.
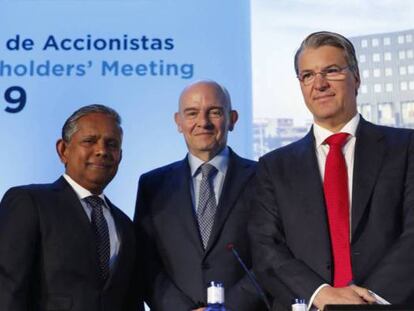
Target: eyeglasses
(332, 73)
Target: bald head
(220, 91)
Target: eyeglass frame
(324, 74)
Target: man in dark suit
(187, 212)
(65, 246)
(334, 211)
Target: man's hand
(199, 309)
(343, 295)
(363, 293)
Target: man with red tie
(333, 218)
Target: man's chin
(100, 181)
(209, 148)
(212, 150)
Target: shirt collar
(220, 162)
(321, 134)
(80, 191)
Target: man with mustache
(333, 217)
(65, 246)
(187, 212)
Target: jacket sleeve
(392, 276)
(243, 296)
(160, 293)
(277, 269)
(19, 235)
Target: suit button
(205, 266)
(328, 266)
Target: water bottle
(299, 304)
(215, 297)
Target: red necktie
(337, 203)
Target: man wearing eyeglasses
(334, 214)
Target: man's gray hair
(71, 124)
(326, 38)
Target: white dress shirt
(82, 193)
(220, 162)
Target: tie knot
(94, 201)
(337, 139)
(208, 170)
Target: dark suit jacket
(178, 269)
(48, 258)
(289, 229)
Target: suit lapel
(309, 196)
(71, 205)
(309, 185)
(120, 230)
(181, 200)
(71, 202)
(238, 174)
(369, 153)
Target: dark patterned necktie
(100, 228)
(206, 209)
(337, 204)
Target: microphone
(250, 275)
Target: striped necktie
(207, 206)
(100, 228)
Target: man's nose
(320, 82)
(101, 148)
(203, 120)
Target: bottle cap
(298, 304)
(298, 301)
(215, 293)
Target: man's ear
(357, 83)
(234, 116)
(61, 147)
(178, 120)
